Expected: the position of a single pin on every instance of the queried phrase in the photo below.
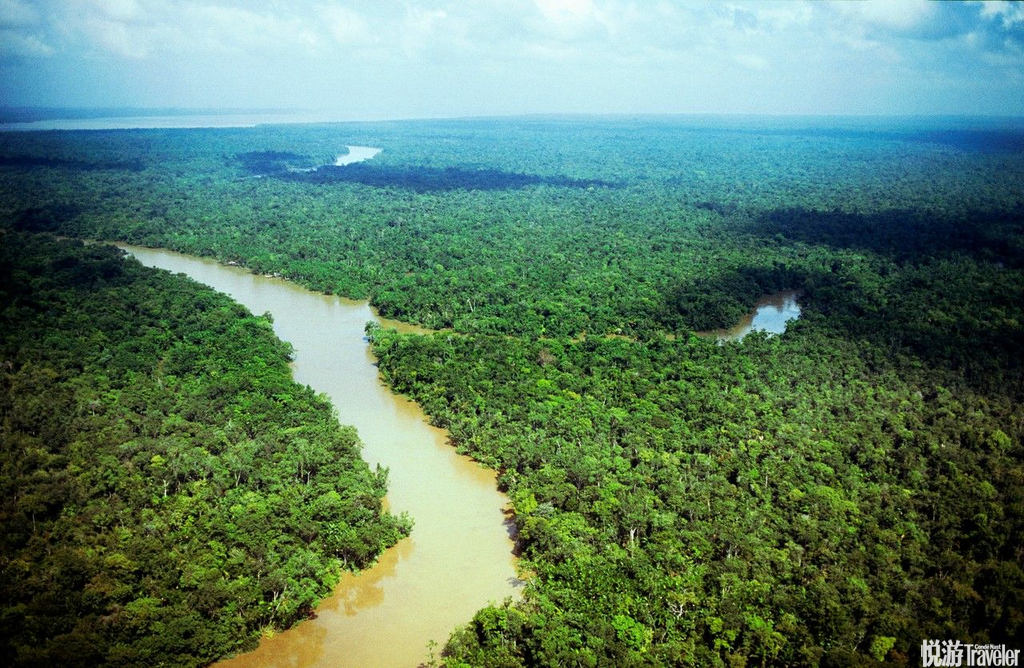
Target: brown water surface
(459, 557)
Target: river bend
(459, 557)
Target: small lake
(356, 154)
(770, 315)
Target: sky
(379, 59)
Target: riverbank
(460, 555)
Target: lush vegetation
(832, 496)
(531, 227)
(788, 500)
(168, 492)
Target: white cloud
(347, 26)
(118, 10)
(17, 14)
(233, 29)
(750, 62)
(18, 45)
(567, 20)
(771, 17)
(653, 54)
(116, 38)
(1009, 13)
(419, 29)
(138, 30)
(897, 14)
(552, 53)
(565, 11)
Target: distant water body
(356, 154)
(171, 121)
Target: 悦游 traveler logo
(956, 653)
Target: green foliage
(776, 500)
(880, 646)
(168, 491)
(829, 497)
(538, 227)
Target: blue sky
(436, 58)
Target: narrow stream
(459, 557)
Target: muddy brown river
(459, 557)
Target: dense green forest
(534, 227)
(789, 500)
(831, 496)
(168, 492)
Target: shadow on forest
(966, 139)
(934, 312)
(271, 162)
(900, 235)
(718, 301)
(50, 218)
(434, 179)
(929, 302)
(985, 141)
